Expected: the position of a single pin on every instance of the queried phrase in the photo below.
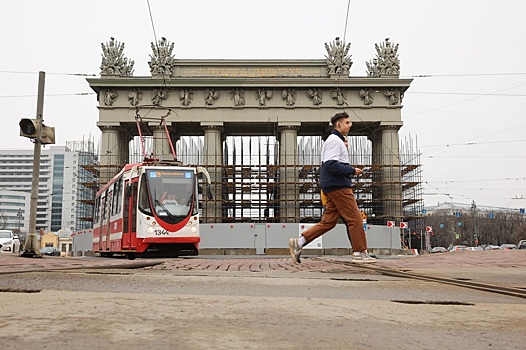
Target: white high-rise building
(14, 210)
(67, 183)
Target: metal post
(31, 248)
(474, 210)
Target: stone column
(376, 169)
(213, 162)
(124, 139)
(289, 202)
(110, 153)
(391, 175)
(161, 144)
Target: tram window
(104, 204)
(128, 191)
(97, 210)
(144, 201)
(117, 198)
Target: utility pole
(31, 248)
(474, 213)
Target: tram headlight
(150, 230)
(193, 229)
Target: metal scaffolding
(87, 179)
(254, 188)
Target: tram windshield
(172, 192)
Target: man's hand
(358, 171)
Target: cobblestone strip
(250, 265)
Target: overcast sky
(468, 115)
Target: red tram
(149, 210)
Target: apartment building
(66, 189)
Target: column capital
(393, 126)
(207, 126)
(211, 124)
(109, 128)
(292, 127)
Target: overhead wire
(51, 95)
(153, 26)
(462, 101)
(337, 87)
(463, 93)
(337, 82)
(50, 73)
(155, 38)
(460, 75)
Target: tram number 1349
(161, 233)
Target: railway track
(486, 287)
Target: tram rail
(486, 287)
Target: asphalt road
(249, 303)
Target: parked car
(51, 251)
(474, 249)
(492, 247)
(458, 248)
(9, 242)
(508, 247)
(522, 244)
(439, 250)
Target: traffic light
(35, 129)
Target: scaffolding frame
(253, 185)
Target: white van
(9, 242)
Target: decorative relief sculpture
(366, 96)
(158, 95)
(391, 95)
(289, 95)
(162, 59)
(372, 68)
(338, 95)
(315, 95)
(387, 62)
(135, 97)
(238, 96)
(338, 60)
(113, 60)
(186, 96)
(262, 95)
(109, 97)
(210, 96)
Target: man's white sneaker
(295, 250)
(364, 257)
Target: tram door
(126, 217)
(129, 217)
(103, 227)
(107, 224)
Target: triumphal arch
(280, 109)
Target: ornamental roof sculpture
(113, 60)
(386, 62)
(338, 60)
(162, 59)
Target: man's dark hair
(337, 117)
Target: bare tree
(476, 228)
(3, 221)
